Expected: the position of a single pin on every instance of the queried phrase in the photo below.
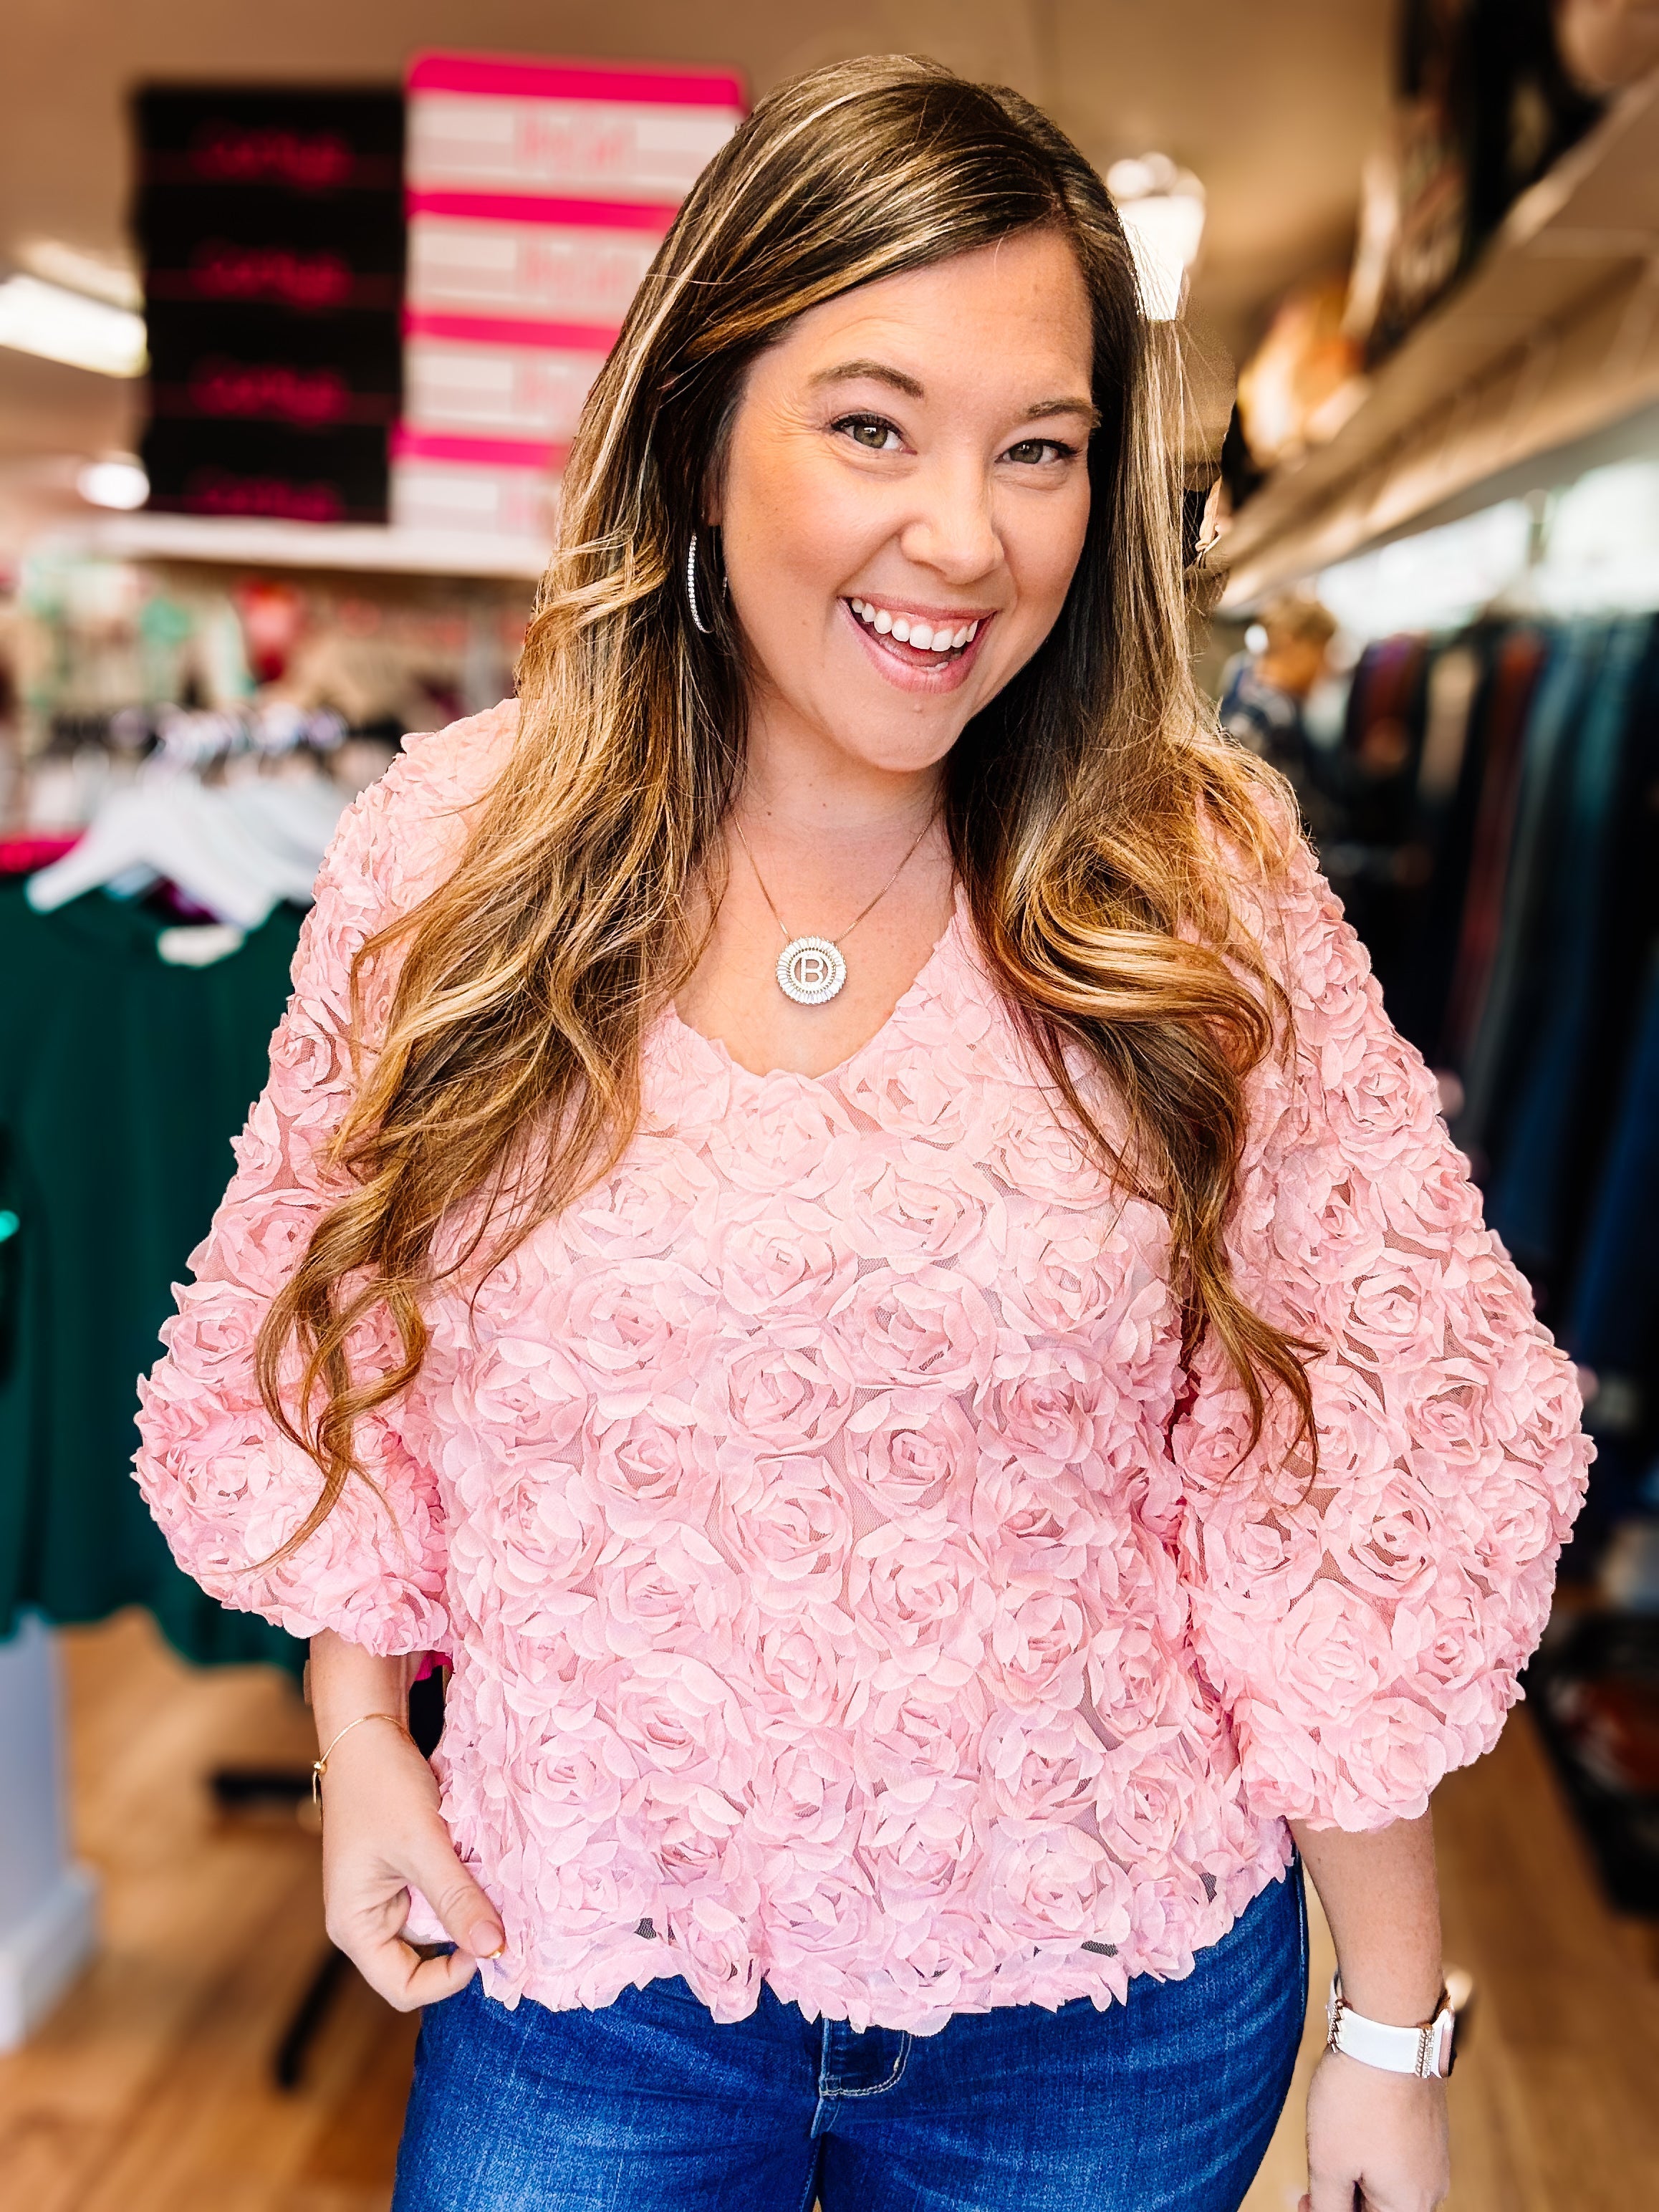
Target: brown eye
(869, 431)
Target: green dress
(123, 1080)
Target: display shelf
(1553, 335)
(247, 543)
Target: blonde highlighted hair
(1085, 805)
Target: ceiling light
(1163, 212)
(118, 481)
(101, 276)
(60, 325)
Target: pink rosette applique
(805, 1664)
(781, 1255)
(1065, 1273)
(920, 1080)
(1032, 1529)
(805, 1808)
(790, 1139)
(920, 1207)
(913, 1450)
(920, 1835)
(641, 1332)
(526, 1398)
(1143, 1801)
(929, 1328)
(1042, 1764)
(649, 1465)
(1050, 1407)
(642, 1208)
(1039, 1644)
(524, 1563)
(786, 1523)
(1330, 1654)
(1052, 1885)
(923, 1606)
(681, 1718)
(786, 1389)
(1039, 1154)
(1132, 1677)
(669, 1591)
(917, 1723)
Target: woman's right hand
(384, 1836)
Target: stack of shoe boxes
(539, 192)
(271, 225)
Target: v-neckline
(920, 984)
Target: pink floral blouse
(845, 1583)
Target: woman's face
(905, 496)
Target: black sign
(272, 225)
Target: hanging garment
(123, 1078)
(1511, 996)
(1520, 661)
(1533, 1134)
(1613, 1328)
(1433, 864)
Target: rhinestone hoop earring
(691, 587)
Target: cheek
(791, 539)
(1043, 543)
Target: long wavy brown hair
(1086, 806)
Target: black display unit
(270, 223)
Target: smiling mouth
(913, 641)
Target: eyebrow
(881, 371)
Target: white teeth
(921, 635)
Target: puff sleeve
(1366, 1627)
(226, 1486)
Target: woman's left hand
(1375, 2140)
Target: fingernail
(500, 1945)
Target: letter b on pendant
(810, 971)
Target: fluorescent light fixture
(118, 481)
(60, 325)
(100, 276)
(1163, 212)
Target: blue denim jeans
(1164, 2104)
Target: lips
(933, 645)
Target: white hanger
(236, 853)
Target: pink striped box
(537, 193)
(598, 130)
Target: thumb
(468, 1917)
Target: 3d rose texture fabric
(845, 1581)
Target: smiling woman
(933, 1454)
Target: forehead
(1013, 313)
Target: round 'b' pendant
(810, 971)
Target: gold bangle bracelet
(320, 1766)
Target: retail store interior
(298, 313)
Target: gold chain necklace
(811, 969)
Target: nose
(951, 529)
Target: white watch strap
(1426, 2051)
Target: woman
(838, 1224)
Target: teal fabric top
(123, 1079)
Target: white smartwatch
(1426, 2052)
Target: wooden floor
(150, 2090)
